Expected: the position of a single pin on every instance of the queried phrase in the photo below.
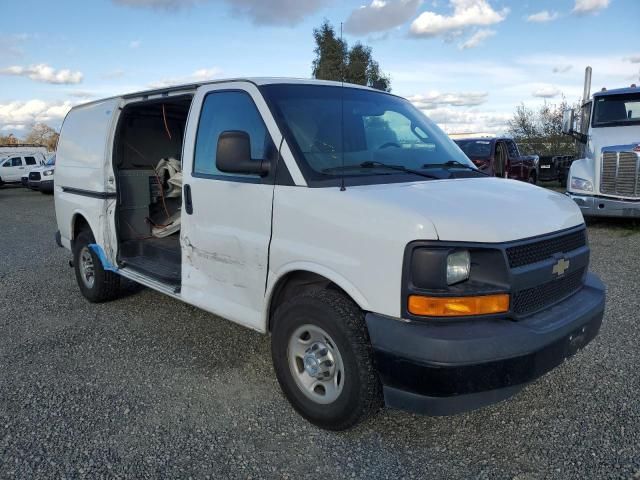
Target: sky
(466, 63)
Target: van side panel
(83, 167)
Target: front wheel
(96, 283)
(324, 361)
(532, 178)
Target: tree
(331, 53)
(42, 134)
(540, 131)
(336, 61)
(8, 139)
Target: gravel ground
(146, 387)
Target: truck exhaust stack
(587, 85)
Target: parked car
(342, 221)
(12, 168)
(41, 178)
(500, 157)
(555, 168)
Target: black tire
(532, 178)
(106, 284)
(343, 321)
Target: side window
(229, 110)
(7, 163)
(30, 160)
(513, 149)
(16, 162)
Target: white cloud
(583, 7)
(543, 16)
(261, 12)
(381, 15)
(546, 91)
(18, 115)
(466, 13)
(44, 73)
(561, 68)
(200, 75)
(476, 39)
(435, 99)
(633, 59)
(158, 4)
(135, 44)
(468, 121)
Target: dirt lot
(146, 386)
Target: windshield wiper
(455, 163)
(372, 164)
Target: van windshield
(617, 110)
(336, 131)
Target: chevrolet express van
(343, 222)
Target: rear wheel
(324, 361)
(96, 283)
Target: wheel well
(295, 283)
(78, 225)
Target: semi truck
(605, 179)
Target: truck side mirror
(233, 155)
(568, 120)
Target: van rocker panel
(446, 367)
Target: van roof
(187, 87)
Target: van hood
(480, 209)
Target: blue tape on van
(97, 249)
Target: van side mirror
(233, 155)
(568, 121)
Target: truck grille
(539, 250)
(620, 174)
(34, 175)
(536, 298)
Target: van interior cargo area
(147, 151)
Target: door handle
(188, 205)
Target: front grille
(34, 175)
(620, 174)
(536, 298)
(539, 250)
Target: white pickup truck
(343, 222)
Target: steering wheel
(389, 144)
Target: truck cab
(605, 180)
(341, 221)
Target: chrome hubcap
(316, 364)
(87, 271)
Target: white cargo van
(343, 222)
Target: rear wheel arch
(79, 224)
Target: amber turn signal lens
(458, 306)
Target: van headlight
(458, 266)
(47, 173)
(578, 183)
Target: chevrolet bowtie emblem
(560, 267)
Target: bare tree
(43, 134)
(540, 131)
(10, 139)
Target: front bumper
(448, 368)
(34, 185)
(595, 206)
(46, 186)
